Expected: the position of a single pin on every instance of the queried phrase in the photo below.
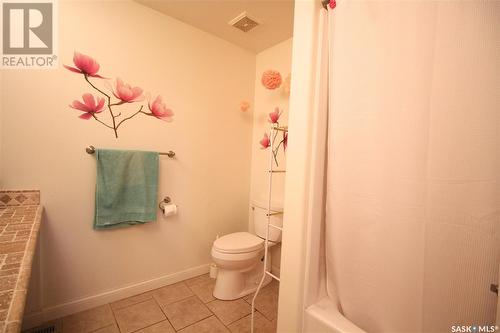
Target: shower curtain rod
(91, 150)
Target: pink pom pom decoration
(271, 79)
(244, 106)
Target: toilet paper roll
(169, 209)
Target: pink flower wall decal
(271, 79)
(90, 106)
(274, 116)
(275, 129)
(126, 93)
(84, 65)
(265, 142)
(159, 109)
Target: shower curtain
(413, 179)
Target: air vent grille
(46, 329)
(244, 22)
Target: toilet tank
(260, 219)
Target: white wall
(201, 77)
(279, 58)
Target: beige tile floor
(186, 307)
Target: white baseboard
(34, 319)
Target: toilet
(240, 256)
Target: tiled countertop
(20, 216)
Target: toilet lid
(238, 242)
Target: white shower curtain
(413, 180)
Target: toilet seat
(238, 242)
(239, 259)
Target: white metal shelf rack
(274, 131)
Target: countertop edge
(13, 322)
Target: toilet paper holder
(165, 201)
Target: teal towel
(126, 187)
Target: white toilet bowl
(238, 257)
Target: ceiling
(275, 18)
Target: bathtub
(324, 317)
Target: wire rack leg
(266, 243)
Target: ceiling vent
(244, 22)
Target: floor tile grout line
(161, 309)
(181, 299)
(157, 303)
(227, 326)
(262, 313)
(105, 327)
(233, 320)
(161, 321)
(114, 317)
(203, 281)
(123, 307)
(193, 294)
(152, 296)
(197, 284)
(196, 322)
(200, 298)
(210, 310)
(214, 314)
(99, 328)
(144, 301)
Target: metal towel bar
(91, 150)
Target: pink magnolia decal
(159, 110)
(275, 116)
(271, 80)
(84, 65)
(123, 92)
(265, 142)
(126, 93)
(91, 105)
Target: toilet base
(234, 284)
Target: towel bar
(91, 150)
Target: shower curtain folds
(411, 228)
